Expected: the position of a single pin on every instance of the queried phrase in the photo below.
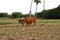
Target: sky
(23, 6)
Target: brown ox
(28, 20)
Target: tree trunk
(30, 8)
(36, 10)
(43, 4)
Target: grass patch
(48, 21)
(5, 23)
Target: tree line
(14, 15)
(50, 14)
(47, 14)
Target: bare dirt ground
(38, 32)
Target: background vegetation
(46, 14)
(50, 14)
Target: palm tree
(43, 4)
(37, 1)
(30, 8)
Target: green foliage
(16, 14)
(10, 16)
(37, 1)
(5, 23)
(3, 14)
(27, 15)
(50, 14)
(38, 14)
(58, 7)
(53, 14)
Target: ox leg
(22, 24)
(34, 23)
(26, 24)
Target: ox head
(20, 20)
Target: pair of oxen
(28, 20)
